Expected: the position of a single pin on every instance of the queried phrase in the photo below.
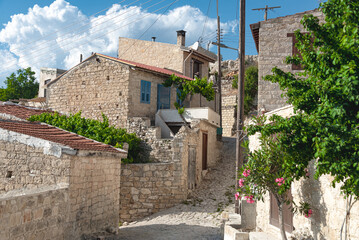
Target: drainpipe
(184, 63)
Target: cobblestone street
(200, 216)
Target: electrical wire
(19, 62)
(205, 22)
(149, 27)
(68, 26)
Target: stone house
(274, 41)
(190, 61)
(46, 75)
(54, 184)
(121, 89)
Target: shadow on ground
(169, 232)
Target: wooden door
(287, 213)
(204, 150)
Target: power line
(67, 26)
(97, 31)
(204, 26)
(150, 26)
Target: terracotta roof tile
(57, 135)
(20, 111)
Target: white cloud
(55, 35)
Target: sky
(53, 33)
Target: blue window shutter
(148, 92)
(145, 92)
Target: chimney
(153, 39)
(80, 58)
(181, 38)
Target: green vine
(99, 131)
(188, 87)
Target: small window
(197, 66)
(177, 99)
(145, 91)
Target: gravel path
(200, 216)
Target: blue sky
(54, 33)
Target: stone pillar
(248, 215)
(191, 176)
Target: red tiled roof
(147, 67)
(57, 135)
(20, 111)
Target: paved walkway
(200, 216)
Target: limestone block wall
(23, 166)
(229, 104)
(157, 54)
(96, 86)
(138, 109)
(149, 188)
(327, 203)
(274, 47)
(38, 179)
(94, 193)
(35, 214)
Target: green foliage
(21, 84)
(250, 87)
(187, 87)
(277, 158)
(327, 91)
(100, 131)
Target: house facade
(275, 41)
(118, 88)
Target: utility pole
(240, 96)
(266, 11)
(219, 79)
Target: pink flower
(237, 196)
(246, 172)
(241, 182)
(250, 199)
(280, 181)
(306, 172)
(307, 215)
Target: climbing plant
(100, 131)
(189, 87)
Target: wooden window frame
(145, 95)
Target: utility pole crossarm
(223, 46)
(265, 10)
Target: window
(145, 91)
(295, 50)
(178, 92)
(197, 65)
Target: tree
(250, 87)
(325, 97)
(188, 87)
(274, 166)
(327, 92)
(21, 84)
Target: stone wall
(23, 166)
(157, 54)
(138, 109)
(327, 203)
(149, 188)
(35, 214)
(274, 47)
(31, 172)
(96, 86)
